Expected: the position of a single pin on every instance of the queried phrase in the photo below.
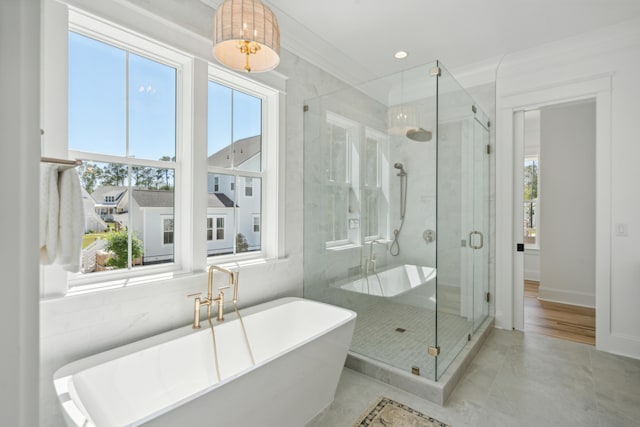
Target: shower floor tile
(399, 335)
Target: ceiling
(357, 38)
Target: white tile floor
(515, 380)
(375, 336)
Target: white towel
(71, 220)
(49, 212)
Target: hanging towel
(71, 221)
(49, 212)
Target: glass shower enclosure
(396, 205)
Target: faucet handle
(197, 294)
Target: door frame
(509, 302)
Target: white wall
(532, 264)
(19, 151)
(610, 59)
(567, 193)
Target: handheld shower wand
(394, 249)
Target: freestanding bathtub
(170, 379)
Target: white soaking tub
(170, 379)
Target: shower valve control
(429, 236)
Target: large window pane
(219, 139)
(97, 96)
(152, 109)
(113, 216)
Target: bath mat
(389, 413)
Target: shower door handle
(471, 245)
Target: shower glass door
(462, 219)
(480, 244)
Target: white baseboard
(567, 297)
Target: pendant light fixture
(246, 36)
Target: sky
(98, 98)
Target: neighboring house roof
(101, 193)
(154, 198)
(219, 200)
(244, 149)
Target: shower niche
(396, 225)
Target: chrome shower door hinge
(433, 351)
(435, 71)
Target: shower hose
(394, 249)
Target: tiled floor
(515, 380)
(376, 336)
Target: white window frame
(352, 177)
(137, 33)
(270, 247)
(98, 29)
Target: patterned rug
(389, 413)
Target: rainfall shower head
(401, 168)
(419, 134)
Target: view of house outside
(123, 105)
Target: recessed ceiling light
(401, 54)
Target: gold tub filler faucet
(209, 300)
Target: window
(256, 223)
(531, 173)
(122, 123)
(248, 187)
(355, 190)
(130, 118)
(235, 160)
(219, 228)
(341, 134)
(167, 231)
(209, 228)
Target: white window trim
(187, 49)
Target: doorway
(554, 159)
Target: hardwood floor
(564, 321)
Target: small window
(248, 187)
(216, 184)
(167, 231)
(256, 223)
(219, 228)
(209, 228)
(233, 186)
